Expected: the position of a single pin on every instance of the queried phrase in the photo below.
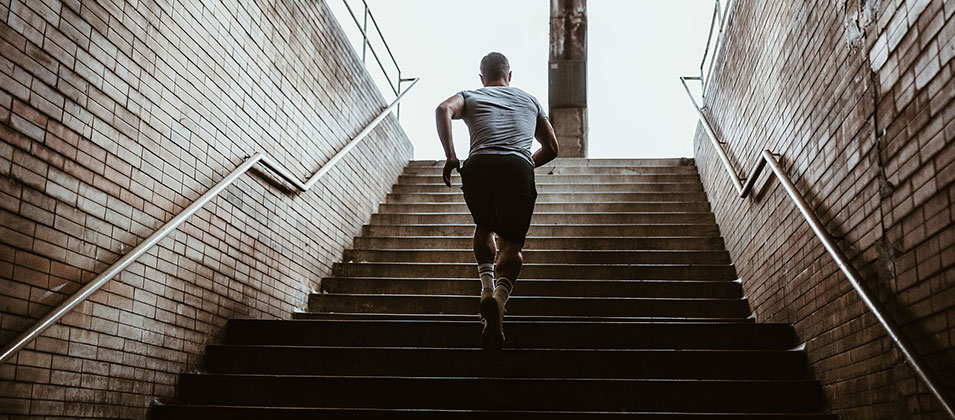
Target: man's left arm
(548, 139)
(451, 108)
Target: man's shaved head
(494, 66)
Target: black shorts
(500, 193)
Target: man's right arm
(548, 140)
(451, 108)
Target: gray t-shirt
(502, 120)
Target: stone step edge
(541, 264)
(469, 323)
(510, 350)
(614, 414)
(521, 379)
(688, 224)
(371, 316)
(562, 213)
(544, 250)
(462, 279)
(441, 184)
(589, 238)
(520, 297)
(430, 203)
(455, 191)
(583, 162)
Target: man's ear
(509, 76)
(482, 78)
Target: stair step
(706, 243)
(529, 287)
(510, 393)
(580, 231)
(455, 195)
(581, 170)
(185, 412)
(543, 187)
(610, 207)
(437, 178)
(537, 256)
(712, 272)
(520, 334)
(541, 218)
(366, 316)
(583, 162)
(533, 363)
(527, 305)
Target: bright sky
(637, 50)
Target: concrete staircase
(627, 306)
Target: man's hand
(451, 108)
(452, 163)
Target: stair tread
(591, 203)
(471, 225)
(538, 183)
(506, 351)
(519, 297)
(496, 413)
(470, 264)
(547, 250)
(568, 213)
(554, 318)
(495, 379)
(395, 391)
(471, 280)
(761, 324)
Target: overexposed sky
(636, 51)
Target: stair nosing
(463, 279)
(497, 379)
(509, 350)
(520, 297)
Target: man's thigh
(478, 188)
(514, 199)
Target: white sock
(503, 288)
(486, 272)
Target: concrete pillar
(568, 75)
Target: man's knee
(510, 250)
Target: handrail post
(398, 108)
(734, 177)
(366, 45)
(364, 35)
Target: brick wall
(857, 98)
(114, 116)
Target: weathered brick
(110, 128)
(903, 133)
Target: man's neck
(501, 82)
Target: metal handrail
(51, 318)
(718, 17)
(366, 44)
(914, 359)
